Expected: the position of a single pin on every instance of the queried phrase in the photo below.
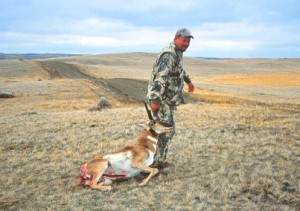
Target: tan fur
(129, 160)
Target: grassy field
(234, 149)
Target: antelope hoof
(108, 188)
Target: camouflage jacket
(168, 76)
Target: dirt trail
(124, 89)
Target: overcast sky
(222, 28)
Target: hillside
(236, 145)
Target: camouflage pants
(164, 115)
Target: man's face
(182, 43)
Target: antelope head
(154, 125)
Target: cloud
(102, 35)
(220, 28)
(94, 34)
(244, 38)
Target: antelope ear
(163, 128)
(168, 129)
(143, 125)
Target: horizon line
(49, 55)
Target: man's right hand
(154, 106)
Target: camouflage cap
(184, 33)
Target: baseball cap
(184, 33)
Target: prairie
(236, 145)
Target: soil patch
(123, 89)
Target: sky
(221, 28)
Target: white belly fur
(121, 164)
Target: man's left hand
(191, 87)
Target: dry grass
(224, 156)
(229, 152)
(271, 79)
(209, 96)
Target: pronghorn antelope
(126, 162)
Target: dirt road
(124, 89)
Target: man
(165, 89)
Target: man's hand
(191, 87)
(154, 106)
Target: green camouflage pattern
(168, 76)
(165, 116)
(166, 88)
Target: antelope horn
(148, 112)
